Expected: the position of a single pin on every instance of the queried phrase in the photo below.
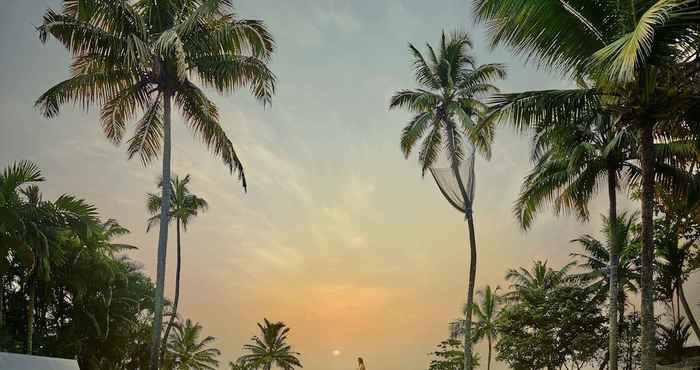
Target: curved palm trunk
(162, 236)
(177, 291)
(613, 305)
(688, 312)
(470, 296)
(648, 342)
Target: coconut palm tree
(528, 284)
(642, 57)
(595, 258)
(595, 261)
(186, 351)
(571, 160)
(271, 348)
(184, 207)
(143, 56)
(486, 312)
(447, 111)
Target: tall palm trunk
(162, 236)
(613, 306)
(472, 260)
(177, 290)
(686, 308)
(470, 295)
(648, 342)
(30, 314)
(488, 362)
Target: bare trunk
(614, 264)
(30, 315)
(176, 301)
(162, 236)
(488, 361)
(648, 341)
(688, 312)
(470, 296)
(2, 301)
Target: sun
(336, 352)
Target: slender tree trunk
(470, 296)
(30, 315)
(688, 312)
(488, 362)
(648, 341)
(2, 301)
(162, 236)
(472, 262)
(614, 265)
(176, 301)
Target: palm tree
(271, 348)
(486, 312)
(143, 56)
(535, 283)
(571, 160)
(675, 265)
(32, 230)
(448, 112)
(673, 338)
(640, 55)
(187, 352)
(595, 261)
(185, 206)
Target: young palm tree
(187, 352)
(674, 267)
(486, 312)
(535, 283)
(448, 112)
(639, 53)
(185, 206)
(144, 56)
(271, 349)
(595, 261)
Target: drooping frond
(84, 89)
(146, 142)
(121, 108)
(227, 73)
(202, 116)
(414, 131)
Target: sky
(338, 235)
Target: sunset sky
(338, 235)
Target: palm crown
(271, 349)
(129, 56)
(187, 351)
(595, 257)
(446, 104)
(184, 204)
